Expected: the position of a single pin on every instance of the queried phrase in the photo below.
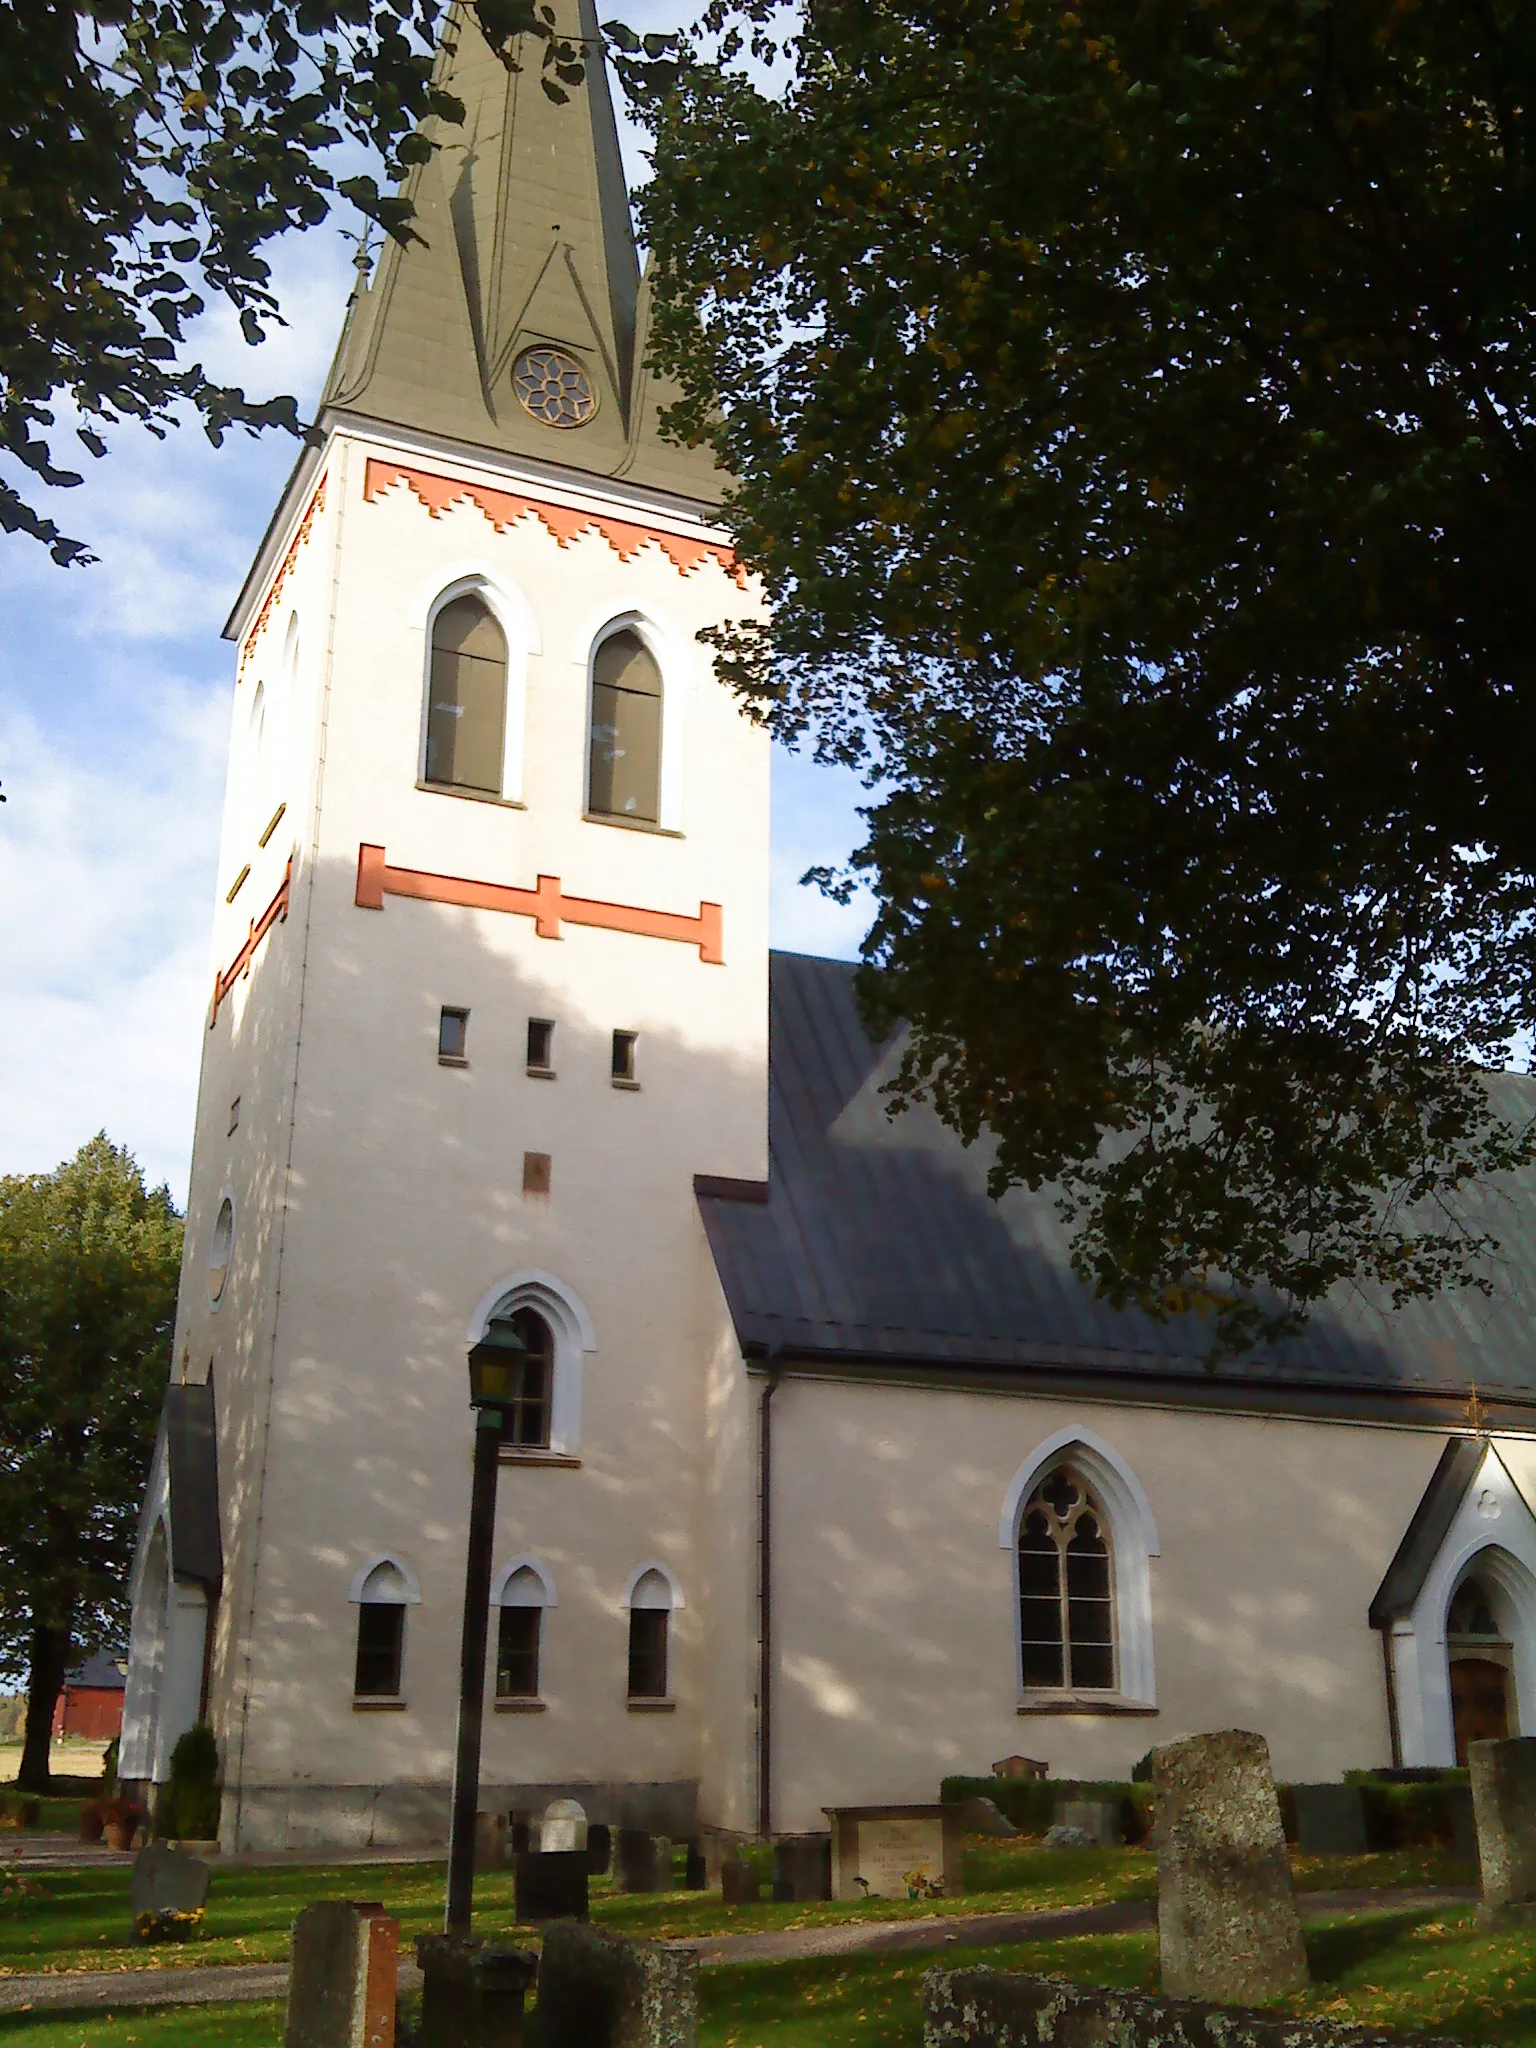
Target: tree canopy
(150, 150)
(1132, 412)
(89, 1260)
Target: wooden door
(1479, 1702)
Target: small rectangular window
(234, 1116)
(380, 1640)
(517, 1653)
(453, 1037)
(624, 1059)
(541, 1047)
(536, 1173)
(648, 1653)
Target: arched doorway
(1480, 1651)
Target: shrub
(188, 1807)
(29, 1813)
(1411, 1813)
(1030, 1803)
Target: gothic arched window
(526, 1419)
(624, 750)
(1066, 1597)
(382, 1600)
(524, 1597)
(467, 699)
(650, 1612)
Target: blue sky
(115, 691)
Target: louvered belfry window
(624, 757)
(467, 699)
(1066, 1599)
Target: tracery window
(519, 1626)
(467, 699)
(1066, 1598)
(624, 752)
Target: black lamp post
(495, 1379)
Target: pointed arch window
(526, 1419)
(1066, 1588)
(519, 1628)
(650, 1613)
(624, 744)
(467, 699)
(382, 1600)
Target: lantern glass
(495, 1365)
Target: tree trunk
(48, 1662)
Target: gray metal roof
(1432, 1518)
(878, 1242)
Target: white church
(826, 1477)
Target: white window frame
(574, 1336)
(514, 615)
(526, 1562)
(663, 1571)
(666, 648)
(1494, 1530)
(357, 1593)
(1133, 1543)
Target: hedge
(1030, 1803)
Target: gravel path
(76, 1989)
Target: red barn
(91, 1704)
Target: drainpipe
(1393, 1730)
(765, 1599)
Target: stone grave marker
(1098, 1819)
(341, 1988)
(1227, 1925)
(895, 1852)
(598, 1989)
(492, 1849)
(802, 1867)
(599, 1848)
(167, 1880)
(550, 1884)
(472, 1992)
(696, 1869)
(984, 1817)
(741, 1883)
(564, 1826)
(1330, 1820)
(644, 1861)
(1020, 1767)
(1504, 1801)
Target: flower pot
(91, 1824)
(120, 1834)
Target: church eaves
(525, 268)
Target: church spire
(512, 323)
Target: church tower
(488, 999)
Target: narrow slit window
(624, 1057)
(541, 1046)
(1066, 1593)
(453, 1037)
(467, 699)
(624, 751)
(650, 1611)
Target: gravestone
(696, 1869)
(599, 1848)
(984, 1817)
(644, 1861)
(167, 1880)
(492, 1851)
(1504, 1801)
(1227, 1926)
(1098, 1819)
(1330, 1820)
(472, 1992)
(550, 1884)
(1060, 1837)
(564, 1826)
(341, 1987)
(895, 1852)
(599, 1990)
(802, 1867)
(1020, 1767)
(741, 1883)
(522, 1835)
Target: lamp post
(495, 1378)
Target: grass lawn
(78, 1919)
(1403, 1970)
